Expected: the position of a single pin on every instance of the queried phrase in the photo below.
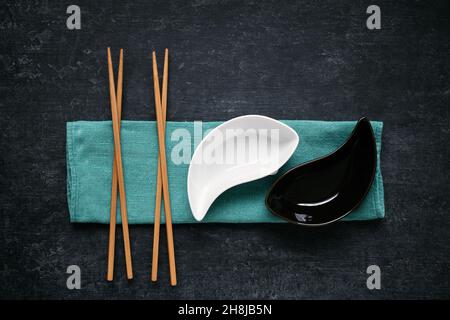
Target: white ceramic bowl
(240, 150)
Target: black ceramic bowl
(327, 189)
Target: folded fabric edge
(380, 190)
(71, 175)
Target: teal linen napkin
(90, 158)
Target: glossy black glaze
(327, 189)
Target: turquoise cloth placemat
(90, 158)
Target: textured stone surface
(296, 60)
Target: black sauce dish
(325, 190)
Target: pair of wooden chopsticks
(117, 173)
(162, 177)
(118, 180)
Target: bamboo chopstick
(157, 221)
(118, 159)
(165, 182)
(113, 209)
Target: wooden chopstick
(113, 208)
(157, 221)
(118, 158)
(165, 182)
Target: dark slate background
(287, 60)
